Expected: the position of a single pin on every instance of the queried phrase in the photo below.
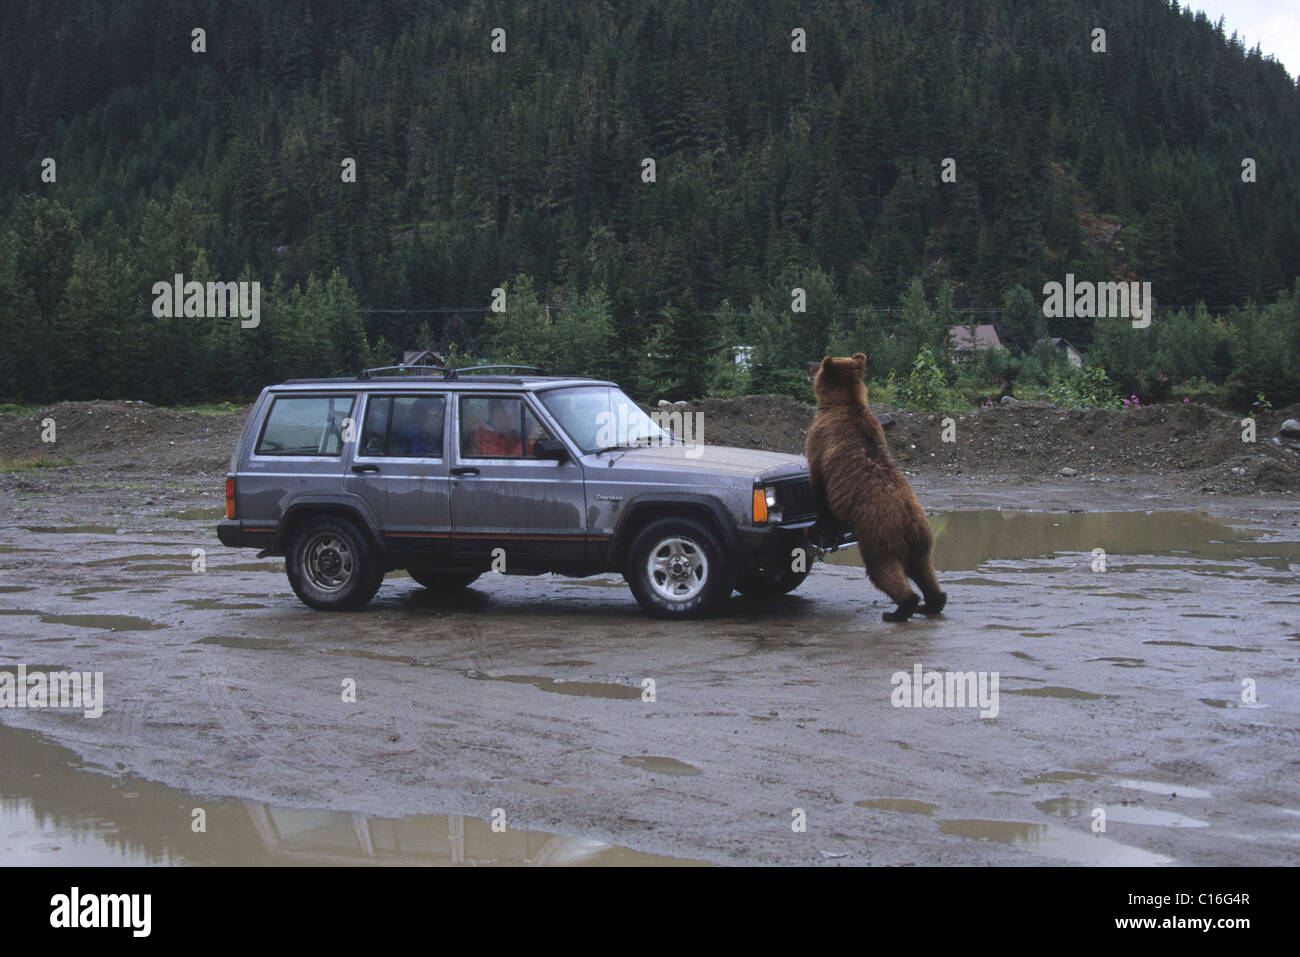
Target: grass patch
(15, 408)
(213, 408)
(38, 462)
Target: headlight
(766, 510)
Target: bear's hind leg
(887, 574)
(922, 572)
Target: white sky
(1273, 24)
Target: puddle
(584, 689)
(373, 655)
(54, 810)
(1123, 662)
(1053, 841)
(10, 589)
(228, 642)
(75, 529)
(899, 804)
(1119, 813)
(661, 765)
(966, 539)
(1168, 790)
(1056, 777)
(216, 603)
(106, 622)
(1055, 691)
(1190, 644)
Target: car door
(504, 497)
(399, 466)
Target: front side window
(305, 425)
(404, 426)
(498, 427)
(600, 417)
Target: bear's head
(839, 380)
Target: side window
(404, 425)
(498, 427)
(305, 425)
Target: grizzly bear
(856, 482)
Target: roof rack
(455, 373)
(367, 373)
(446, 373)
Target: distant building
(1072, 355)
(961, 346)
(744, 356)
(421, 357)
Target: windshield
(602, 417)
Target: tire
(677, 568)
(759, 585)
(332, 565)
(441, 581)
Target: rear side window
(305, 425)
(404, 425)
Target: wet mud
(1159, 694)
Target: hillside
(773, 167)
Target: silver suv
(450, 473)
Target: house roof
(986, 337)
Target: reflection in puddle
(1120, 813)
(1053, 841)
(967, 539)
(1055, 777)
(899, 804)
(55, 811)
(585, 689)
(660, 765)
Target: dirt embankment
(1188, 448)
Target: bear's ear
(826, 362)
(860, 359)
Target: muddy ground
(1119, 690)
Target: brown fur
(856, 481)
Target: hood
(749, 463)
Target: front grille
(795, 499)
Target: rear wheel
(436, 580)
(677, 568)
(332, 565)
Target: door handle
(464, 470)
(365, 468)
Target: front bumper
(769, 548)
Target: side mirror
(552, 449)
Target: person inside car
(422, 433)
(497, 436)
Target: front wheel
(677, 568)
(331, 564)
(759, 585)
